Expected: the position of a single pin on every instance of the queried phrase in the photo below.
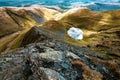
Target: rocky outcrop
(54, 59)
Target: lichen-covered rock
(48, 74)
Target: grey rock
(48, 74)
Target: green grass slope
(101, 29)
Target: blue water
(97, 5)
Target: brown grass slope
(14, 19)
(7, 24)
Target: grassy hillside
(15, 19)
(101, 29)
(19, 20)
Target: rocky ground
(54, 59)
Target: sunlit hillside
(15, 22)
